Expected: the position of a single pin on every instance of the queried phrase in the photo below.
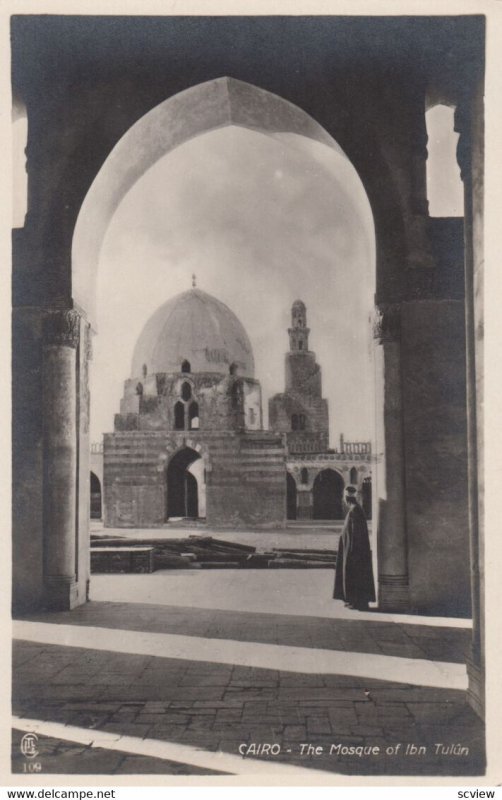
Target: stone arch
(179, 416)
(96, 497)
(328, 494)
(193, 416)
(182, 498)
(183, 116)
(177, 443)
(186, 390)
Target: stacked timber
(206, 552)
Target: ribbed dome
(193, 327)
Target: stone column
(59, 401)
(304, 502)
(393, 582)
(470, 156)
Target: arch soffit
(184, 116)
(337, 472)
(173, 448)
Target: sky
(262, 221)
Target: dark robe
(354, 572)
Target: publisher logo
(28, 745)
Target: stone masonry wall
(245, 473)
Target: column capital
(387, 322)
(62, 328)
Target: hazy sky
(262, 221)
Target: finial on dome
(194, 280)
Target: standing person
(354, 573)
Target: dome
(193, 327)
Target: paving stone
(318, 725)
(142, 765)
(229, 714)
(127, 729)
(204, 704)
(295, 733)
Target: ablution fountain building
(189, 439)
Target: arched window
(193, 416)
(185, 366)
(294, 422)
(301, 422)
(353, 476)
(300, 345)
(444, 186)
(304, 475)
(179, 416)
(186, 391)
(139, 388)
(236, 396)
(233, 368)
(145, 370)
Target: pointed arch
(194, 111)
(186, 391)
(179, 416)
(290, 496)
(193, 416)
(328, 495)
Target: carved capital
(62, 328)
(387, 323)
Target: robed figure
(354, 582)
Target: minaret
(301, 411)
(298, 333)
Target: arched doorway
(182, 485)
(367, 497)
(96, 503)
(290, 496)
(328, 495)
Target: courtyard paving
(184, 686)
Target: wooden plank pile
(206, 552)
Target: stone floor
(116, 670)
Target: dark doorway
(179, 416)
(328, 495)
(96, 508)
(290, 496)
(182, 489)
(367, 499)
